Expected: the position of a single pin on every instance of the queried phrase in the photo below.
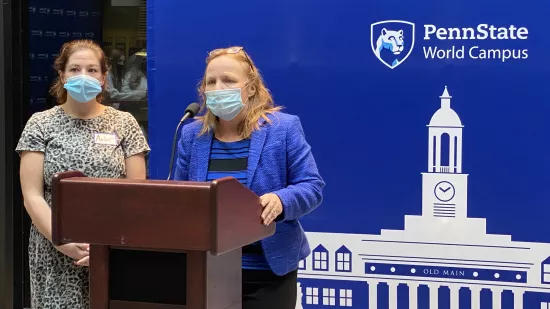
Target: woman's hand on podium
(84, 261)
(272, 207)
(77, 252)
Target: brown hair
(258, 105)
(67, 50)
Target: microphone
(190, 112)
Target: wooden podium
(158, 244)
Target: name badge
(105, 139)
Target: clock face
(444, 191)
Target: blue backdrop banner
(427, 121)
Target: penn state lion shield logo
(392, 41)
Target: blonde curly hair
(258, 105)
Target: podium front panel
(148, 276)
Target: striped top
(231, 159)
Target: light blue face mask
(225, 103)
(83, 88)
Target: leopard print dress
(70, 143)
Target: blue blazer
(280, 161)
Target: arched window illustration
(343, 259)
(434, 154)
(320, 258)
(445, 150)
(455, 155)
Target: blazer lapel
(201, 155)
(256, 146)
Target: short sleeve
(33, 137)
(134, 140)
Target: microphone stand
(190, 111)
(174, 147)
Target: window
(320, 258)
(302, 264)
(124, 39)
(329, 297)
(312, 296)
(546, 273)
(544, 305)
(320, 261)
(345, 298)
(445, 148)
(343, 261)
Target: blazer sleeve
(181, 171)
(304, 191)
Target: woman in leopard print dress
(79, 134)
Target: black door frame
(14, 85)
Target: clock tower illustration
(444, 186)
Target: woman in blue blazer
(244, 135)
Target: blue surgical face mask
(83, 88)
(225, 103)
